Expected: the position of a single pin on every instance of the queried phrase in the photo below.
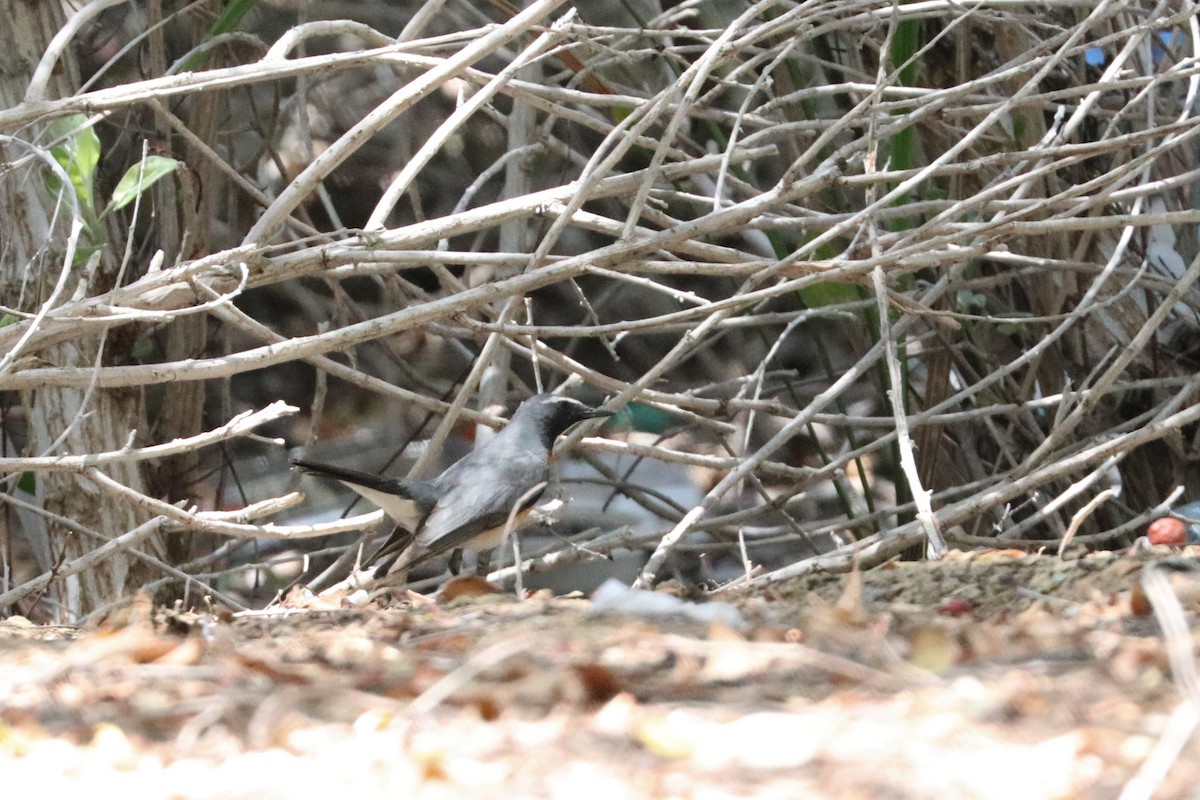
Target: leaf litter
(984, 675)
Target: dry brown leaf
(850, 605)
(600, 684)
(276, 670)
(466, 586)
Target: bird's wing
(407, 502)
(478, 496)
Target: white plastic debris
(614, 597)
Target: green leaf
(27, 483)
(78, 155)
(79, 152)
(62, 127)
(139, 178)
(970, 302)
(229, 20)
(87, 156)
(643, 418)
(232, 17)
(1014, 327)
(145, 349)
(830, 293)
(53, 184)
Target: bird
(467, 505)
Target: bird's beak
(595, 413)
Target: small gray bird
(468, 505)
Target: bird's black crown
(551, 415)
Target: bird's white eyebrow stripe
(560, 399)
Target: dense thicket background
(860, 274)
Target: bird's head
(547, 416)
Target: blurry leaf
(969, 302)
(934, 649)
(228, 21)
(28, 483)
(145, 348)
(1018, 131)
(232, 17)
(598, 681)
(138, 178)
(78, 154)
(667, 736)
(84, 253)
(829, 294)
(904, 145)
(8, 319)
(850, 605)
(1013, 328)
(53, 184)
(467, 586)
(905, 45)
(1139, 603)
(643, 418)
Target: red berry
(1167, 530)
(955, 606)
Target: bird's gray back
(480, 490)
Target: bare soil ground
(989, 675)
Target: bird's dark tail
(390, 551)
(342, 474)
